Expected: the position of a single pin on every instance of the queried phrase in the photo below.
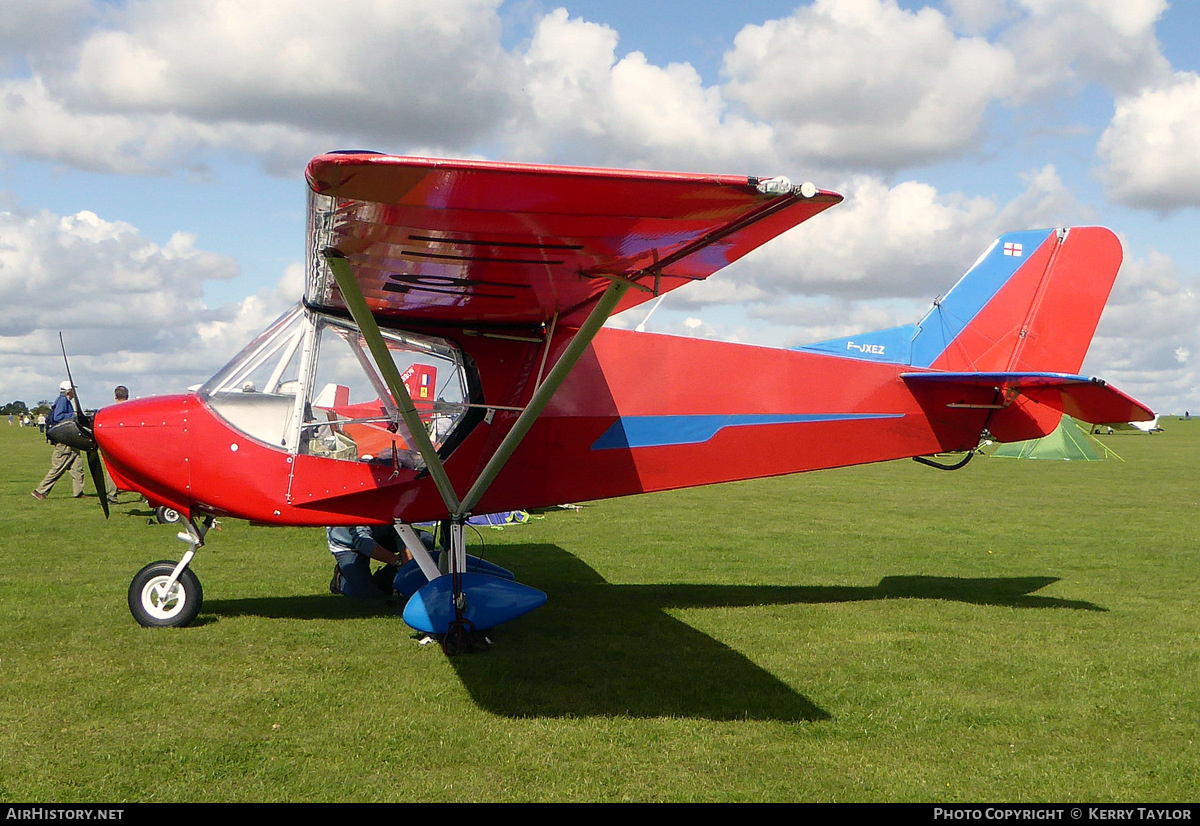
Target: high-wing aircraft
(1150, 426)
(450, 358)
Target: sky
(152, 201)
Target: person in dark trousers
(354, 548)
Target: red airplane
(449, 358)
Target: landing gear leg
(166, 593)
(461, 637)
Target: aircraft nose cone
(145, 443)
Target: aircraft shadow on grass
(599, 649)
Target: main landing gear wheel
(167, 516)
(153, 607)
(462, 638)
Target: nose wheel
(167, 594)
(156, 602)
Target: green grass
(1013, 631)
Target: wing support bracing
(542, 395)
(361, 313)
(459, 510)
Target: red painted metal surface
(475, 242)
(666, 380)
(1046, 314)
(194, 460)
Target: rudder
(1021, 317)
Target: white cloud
(84, 272)
(1060, 43)
(866, 82)
(280, 78)
(128, 308)
(587, 106)
(381, 67)
(845, 84)
(47, 26)
(34, 124)
(978, 17)
(1046, 202)
(901, 241)
(1151, 149)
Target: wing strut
(361, 313)
(542, 395)
(459, 510)
(460, 631)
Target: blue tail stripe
(662, 431)
(920, 345)
(971, 294)
(893, 345)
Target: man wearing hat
(64, 458)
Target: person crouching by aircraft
(64, 459)
(354, 548)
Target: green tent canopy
(1067, 442)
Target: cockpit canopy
(307, 384)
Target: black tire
(167, 516)
(147, 604)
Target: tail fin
(1011, 333)
(1029, 304)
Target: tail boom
(644, 412)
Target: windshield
(254, 368)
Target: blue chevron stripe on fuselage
(663, 431)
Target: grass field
(1013, 631)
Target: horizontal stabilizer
(1087, 399)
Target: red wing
(477, 243)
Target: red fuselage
(639, 413)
